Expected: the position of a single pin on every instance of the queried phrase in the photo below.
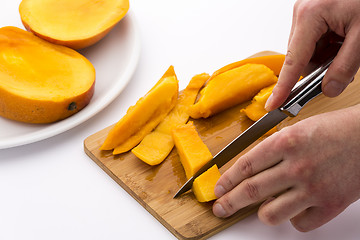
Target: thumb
(344, 67)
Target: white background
(52, 190)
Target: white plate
(115, 58)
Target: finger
(306, 33)
(313, 217)
(283, 207)
(344, 67)
(248, 165)
(293, 23)
(252, 190)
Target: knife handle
(308, 88)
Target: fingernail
(219, 191)
(268, 102)
(333, 88)
(218, 210)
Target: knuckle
(245, 167)
(305, 197)
(307, 7)
(251, 190)
(301, 171)
(343, 72)
(288, 140)
(227, 182)
(293, 60)
(296, 5)
(268, 217)
(289, 58)
(228, 205)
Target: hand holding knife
(306, 89)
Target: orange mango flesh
(157, 145)
(256, 109)
(192, 150)
(230, 88)
(144, 116)
(73, 23)
(204, 185)
(41, 82)
(274, 62)
(154, 148)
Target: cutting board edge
(130, 192)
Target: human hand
(308, 172)
(311, 20)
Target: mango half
(73, 23)
(41, 82)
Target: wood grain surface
(154, 186)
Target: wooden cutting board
(154, 186)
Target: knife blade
(305, 90)
(254, 132)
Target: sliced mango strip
(157, 145)
(256, 109)
(204, 185)
(192, 150)
(145, 115)
(154, 147)
(230, 88)
(274, 62)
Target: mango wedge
(230, 88)
(256, 109)
(154, 148)
(144, 116)
(157, 145)
(274, 62)
(204, 185)
(192, 150)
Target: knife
(305, 90)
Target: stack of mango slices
(160, 119)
